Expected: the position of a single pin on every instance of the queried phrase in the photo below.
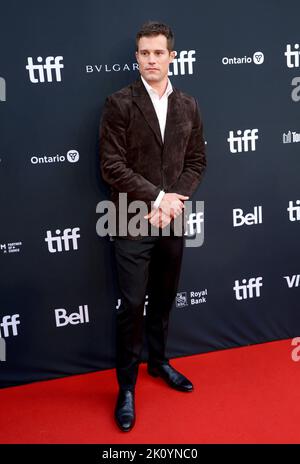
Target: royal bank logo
(181, 300)
(72, 156)
(66, 240)
(291, 137)
(2, 89)
(191, 298)
(48, 70)
(198, 297)
(243, 141)
(256, 58)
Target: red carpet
(242, 395)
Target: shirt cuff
(158, 199)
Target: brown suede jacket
(133, 157)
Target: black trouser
(148, 265)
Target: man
(152, 149)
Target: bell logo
(239, 218)
(81, 317)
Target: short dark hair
(153, 28)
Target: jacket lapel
(143, 101)
(174, 114)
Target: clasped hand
(170, 207)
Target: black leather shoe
(172, 377)
(125, 410)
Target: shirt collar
(152, 91)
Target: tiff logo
(194, 223)
(240, 142)
(62, 240)
(37, 71)
(119, 302)
(239, 219)
(2, 89)
(8, 326)
(194, 226)
(294, 211)
(2, 349)
(248, 290)
(185, 58)
(292, 56)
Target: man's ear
(172, 55)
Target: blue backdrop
(59, 61)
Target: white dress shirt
(161, 107)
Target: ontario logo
(256, 58)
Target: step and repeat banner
(239, 284)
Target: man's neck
(159, 87)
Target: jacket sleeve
(113, 161)
(194, 160)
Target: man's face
(153, 58)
